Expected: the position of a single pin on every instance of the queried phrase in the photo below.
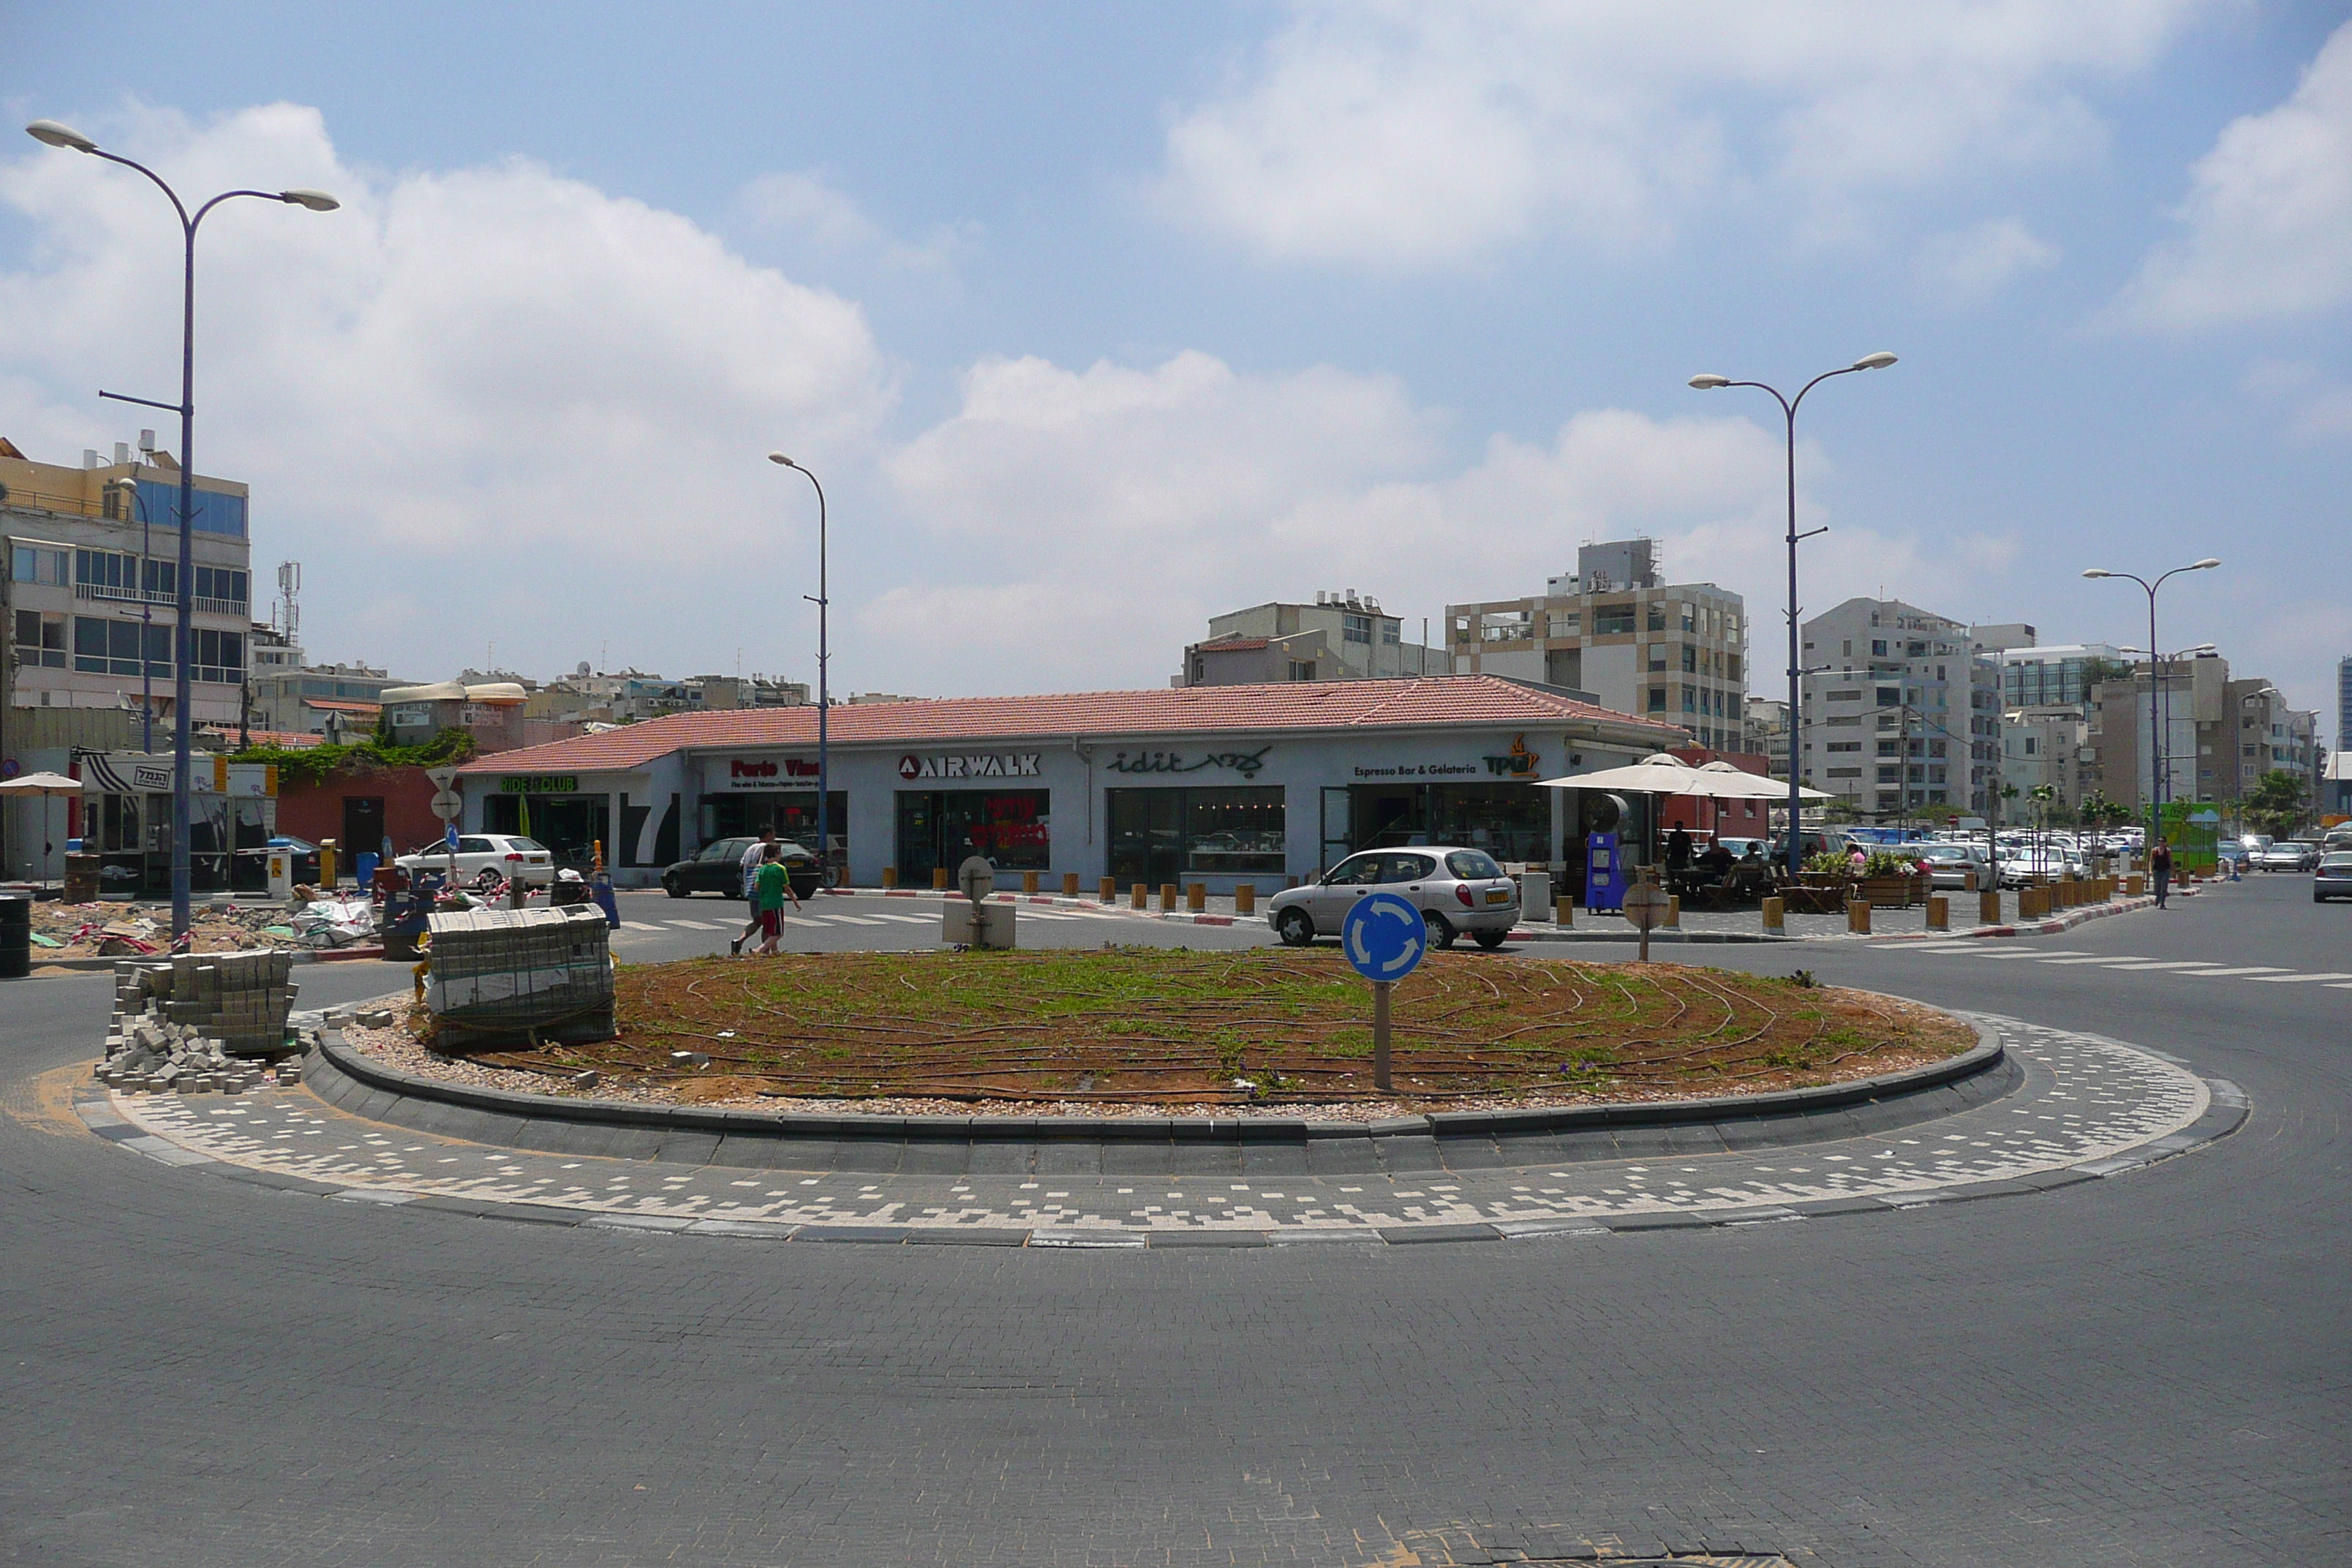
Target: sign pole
(1380, 1077)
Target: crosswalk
(2128, 964)
(812, 917)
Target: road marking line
(2126, 957)
(694, 925)
(905, 920)
(2173, 963)
(2250, 969)
(2295, 979)
(798, 921)
(853, 920)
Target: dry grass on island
(1174, 1032)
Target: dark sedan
(718, 867)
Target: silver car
(2332, 879)
(2286, 855)
(1457, 890)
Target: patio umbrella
(45, 784)
(1658, 773)
(1723, 782)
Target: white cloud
(1087, 523)
(494, 380)
(1972, 263)
(2323, 405)
(806, 205)
(2268, 218)
(1395, 135)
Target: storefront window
(942, 828)
(571, 826)
(1159, 836)
(1509, 821)
(792, 813)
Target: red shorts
(771, 923)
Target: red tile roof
(324, 705)
(1231, 644)
(1483, 700)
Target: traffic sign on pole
(449, 805)
(1645, 906)
(442, 777)
(1385, 938)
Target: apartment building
(317, 699)
(2217, 735)
(92, 584)
(2047, 744)
(2040, 677)
(1900, 712)
(1617, 632)
(1339, 637)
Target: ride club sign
(539, 783)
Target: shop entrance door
(362, 825)
(1337, 841)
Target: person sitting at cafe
(1718, 859)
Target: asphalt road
(2145, 1370)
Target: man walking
(762, 848)
(2159, 866)
(770, 886)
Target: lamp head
(2096, 572)
(1709, 382)
(51, 133)
(2201, 647)
(316, 201)
(780, 458)
(2207, 564)
(1878, 361)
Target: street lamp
(821, 600)
(48, 133)
(2159, 770)
(129, 489)
(1879, 360)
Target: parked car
(1949, 864)
(1458, 889)
(2286, 855)
(485, 857)
(718, 867)
(2027, 863)
(2332, 877)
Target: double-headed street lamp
(2159, 696)
(823, 601)
(51, 133)
(1879, 360)
(2155, 679)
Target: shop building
(1218, 785)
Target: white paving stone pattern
(2085, 1100)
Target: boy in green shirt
(770, 886)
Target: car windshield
(2338, 862)
(1472, 865)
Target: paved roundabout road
(2147, 1368)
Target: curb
(562, 1124)
(301, 956)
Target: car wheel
(1295, 928)
(671, 886)
(487, 876)
(1440, 928)
(1490, 939)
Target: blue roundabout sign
(1383, 936)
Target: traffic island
(1148, 1032)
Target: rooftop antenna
(289, 586)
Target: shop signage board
(1385, 939)
(981, 765)
(539, 783)
(1246, 763)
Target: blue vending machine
(1604, 874)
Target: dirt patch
(120, 931)
(1162, 1032)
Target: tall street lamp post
(129, 489)
(51, 133)
(2158, 780)
(1879, 360)
(823, 601)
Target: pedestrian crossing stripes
(2135, 964)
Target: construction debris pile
(118, 931)
(200, 1022)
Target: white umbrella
(1724, 781)
(43, 784)
(1658, 773)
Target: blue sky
(1096, 321)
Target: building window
(1611, 619)
(1160, 835)
(1845, 773)
(102, 647)
(222, 586)
(1690, 659)
(1568, 624)
(41, 642)
(1843, 746)
(1356, 628)
(1389, 632)
(1889, 696)
(1845, 696)
(1889, 748)
(219, 657)
(1890, 774)
(38, 564)
(1657, 700)
(1302, 670)
(1690, 700)
(1656, 619)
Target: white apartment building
(1619, 634)
(92, 586)
(2046, 745)
(2062, 673)
(1900, 714)
(1340, 636)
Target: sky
(1095, 321)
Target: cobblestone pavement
(2086, 1105)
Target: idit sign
(765, 772)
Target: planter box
(1891, 892)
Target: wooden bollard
(1674, 911)
(1069, 884)
(889, 876)
(1028, 882)
(1196, 897)
(1245, 898)
(1563, 909)
(1167, 898)
(939, 876)
(1970, 886)
(1989, 907)
(1857, 917)
(1939, 912)
(1137, 893)
(1106, 891)
(1775, 913)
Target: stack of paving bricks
(532, 974)
(193, 1024)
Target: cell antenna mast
(289, 590)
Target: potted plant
(1891, 880)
